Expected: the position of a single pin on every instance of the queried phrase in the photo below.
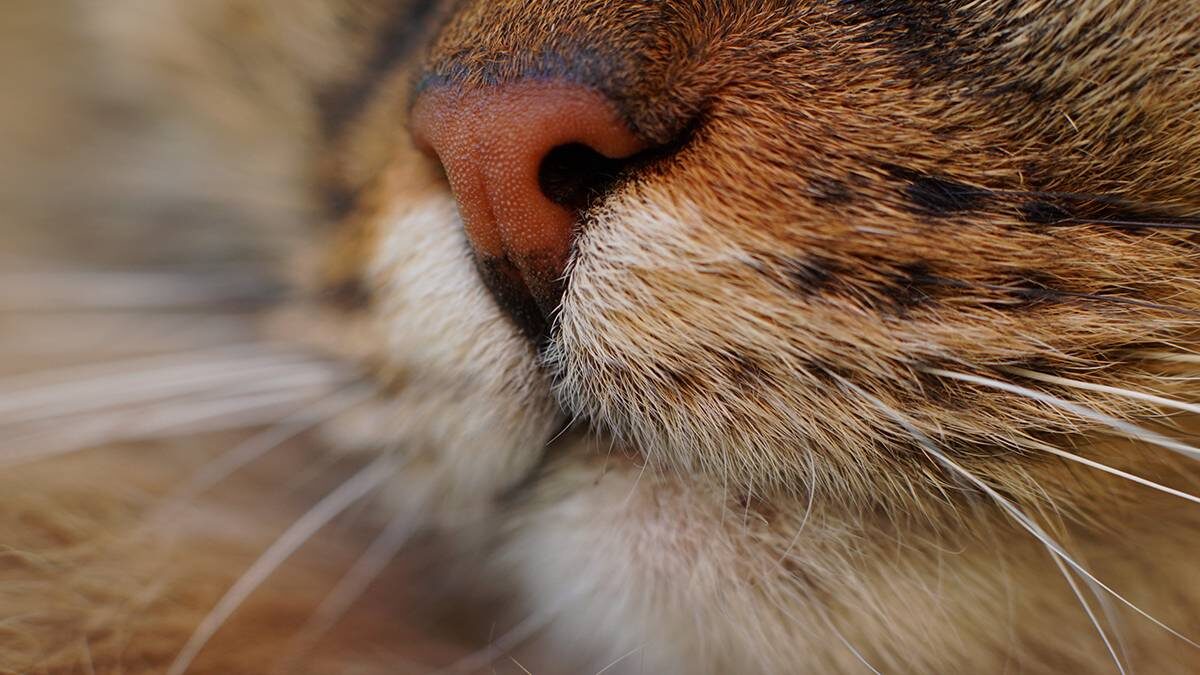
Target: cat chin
(658, 571)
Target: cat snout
(523, 160)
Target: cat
(757, 336)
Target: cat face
(812, 260)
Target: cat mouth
(531, 311)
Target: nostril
(523, 160)
(575, 176)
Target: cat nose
(523, 159)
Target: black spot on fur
(1104, 211)
(1043, 213)
(1033, 287)
(810, 275)
(830, 191)
(683, 385)
(939, 197)
(825, 371)
(912, 29)
(911, 286)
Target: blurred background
(141, 138)
(129, 119)
(156, 158)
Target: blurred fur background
(154, 179)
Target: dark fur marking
(811, 274)
(349, 295)
(338, 201)
(746, 370)
(830, 191)
(966, 42)
(1104, 211)
(911, 286)
(684, 385)
(1043, 213)
(825, 372)
(927, 388)
(938, 197)
(912, 27)
(1033, 287)
(610, 74)
(341, 104)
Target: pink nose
(493, 142)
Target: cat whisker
(93, 371)
(1169, 356)
(1116, 472)
(1009, 507)
(1105, 389)
(208, 415)
(349, 589)
(812, 491)
(828, 620)
(257, 446)
(117, 336)
(293, 376)
(244, 382)
(500, 646)
(1132, 431)
(618, 660)
(352, 490)
(1057, 554)
(70, 398)
(90, 291)
(89, 666)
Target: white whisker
(619, 659)
(1057, 553)
(1130, 430)
(1087, 607)
(179, 419)
(812, 491)
(509, 641)
(255, 447)
(75, 398)
(1116, 472)
(1170, 356)
(354, 489)
(1105, 389)
(89, 666)
(102, 291)
(1013, 511)
(96, 371)
(350, 588)
(824, 614)
(118, 336)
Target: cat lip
(510, 291)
